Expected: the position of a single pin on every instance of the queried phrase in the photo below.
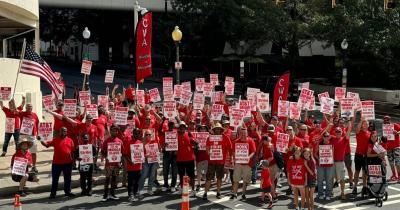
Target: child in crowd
(297, 174)
(86, 169)
(311, 177)
(265, 184)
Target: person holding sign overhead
(62, 161)
(20, 163)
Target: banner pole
(19, 66)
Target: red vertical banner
(281, 91)
(143, 47)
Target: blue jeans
(56, 170)
(149, 171)
(7, 138)
(254, 169)
(169, 165)
(325, 174)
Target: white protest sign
(368, 110)
(283, 108)
(27, 126)
(169, 109)
(185, 97)
(86, 154)
(340, 93)
(5, 93)
(305, 97)
(388, 131)
(325, 154)
(295, 111)
(186, 85)
(48, 102)
(208, 89)
(152, 152)
(263, 102)
(70, 107)
(199, 82)
(378, 148)
(346, 107)
(327, 105)
(140, 98)
(10, 125)
(236, 117)
(216, 152)
(356, 99)
(92, 110)
(201, 139)
(102, 100)
(310, 105)
(242, 153)
(154, 95)
(167, 82)
(229, 88)
(214, 79)
(46, 131)
(137, 153)
(114, 152)
(121, 115)
(171, 141)
(375, 170)
(86, 67)
(19, 166)
(216, 111)
(178, 91)
(217, 97)
(198, 101)
(324, 94)
(251, 92)
(109, 78)
(282, 142)
(245, 105)
(84, 98)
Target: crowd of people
(193, 145)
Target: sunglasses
(338, 131)
(303, 129)
(326, 136)
(147, 134)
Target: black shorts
(266, 190)
(215, 170)
(17, 178)
(359, 162)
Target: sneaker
(105, 198)
(197, 188)
(131, 198)
(163, 189)
(173, 189)
(205, 196)
(270, 205)
(70, 195)
(321, 197)
(297, 208)
(34, 169)
(244, 197)
(328, 198)
(3, 154)
(140, 196)
(113, 197)
(218, 196)
(150, 192)
(21, 193)
(233, 196)
(354, 191)
(192, 193)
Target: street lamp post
(177, 37)
(344, 46)
(86, 36)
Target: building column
(4, 48)
(37, 38)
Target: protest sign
(310, 105)
(242, 153)
(170, 109)
(327, 105)
(19, 167)
(86, 154)
(5, 93)
(154, 95)
(208, 89)
(201, 139)
(178, 91)
(70, 107)
(48, 102)
(121, 115)
(263, 102)
(217, 97)
(356, 100)
(283, 108)
(152, 152)
(198, 101)
(137, 153)
(374, 170)
(325, 154)
(84, 98)
(282, 142)
(109, 78)
(86, 67)
(295, 112)
(388, 131)
(10, 125)
(185, 97)
(245, 105)
(340, 93)
(199, 84)
(216, 152)
(114, 152)
(27, 126)
(216, 111)
(346, 107)
(186, 86)
(378, 148)
(214, 79)
(324, 94)
(92, 110)
(46, 131)
(168, 94)
(171, 141)
(229, 88)
(167, 82)
(368, 110)
(140, 100)
(305, 97)
(102, 100)
(236, 117)
(251, 92)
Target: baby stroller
(376, 181)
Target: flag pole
(19, 66)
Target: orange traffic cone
(17, 203)
(185, 193)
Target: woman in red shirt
(297, 174)
(12, 113)
(134, 166)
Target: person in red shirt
(133, 166)
(185, 156)
(218, 147)
(255, 135)
(23, 154)
(325, 169)
(101, 124)
(266, 183)
(393, 150)
(112, 150)
(266, 149)
(362, 137)
(12, 113)
(202, 158)
(244, 149)
(29, 115)
(310, 165)
(169, 159)
(58, 123)
(62, 161)
(303, 135)
(297, 174)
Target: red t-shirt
(91, 130)
(104, 149)
(127, 153)
(297, 171)
(396, 143)
(185, 151)
(33, 116)
(58, 124)
(225, 145)
(130, 93)
(294, 141)
(19, 154)
(266, 179)
(267, 151)
(362, 138)
(305, 140)
(101, 124)
(339, 145)
(63, 150)
(252, 147)
(11, 114)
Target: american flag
(34, 65)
